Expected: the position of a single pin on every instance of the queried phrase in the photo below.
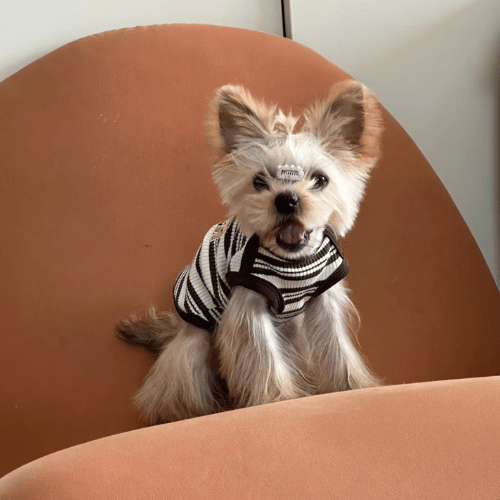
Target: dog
(263, 313)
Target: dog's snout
(287, 203)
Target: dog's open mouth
(293, 236)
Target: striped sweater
(228, 258)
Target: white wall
(30, 29)
(435, 65)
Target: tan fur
(334, 361)
(256, 360)
(367, 151)
(180, 384)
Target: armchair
(105, 194)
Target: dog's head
(285, 184)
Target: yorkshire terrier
(263, 313)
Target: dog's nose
(287, 203)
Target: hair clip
(289, 173)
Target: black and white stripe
(227, 258)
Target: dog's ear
(349, 118)
(236, 119)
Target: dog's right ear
(349, 118)
(237, 119)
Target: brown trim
(268, 290)
(339, 274)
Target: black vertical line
(283, 24)
(286, 19)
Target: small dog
(262, 313)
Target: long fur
(151, 331)
(257, 361)
(251, 359)
(180, 384)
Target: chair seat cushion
(416, 441)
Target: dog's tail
(151, 331)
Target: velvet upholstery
(436, 440)
(105, 195)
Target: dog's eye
(259, 183)
(320, 181)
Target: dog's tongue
(293, 233)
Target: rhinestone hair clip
(289, 173)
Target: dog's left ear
(236, 119)
(349, 118)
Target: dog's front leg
(256, 361)
(330, 324)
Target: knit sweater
(228, 258)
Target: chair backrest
(106, 192)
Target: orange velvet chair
(105, 194)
